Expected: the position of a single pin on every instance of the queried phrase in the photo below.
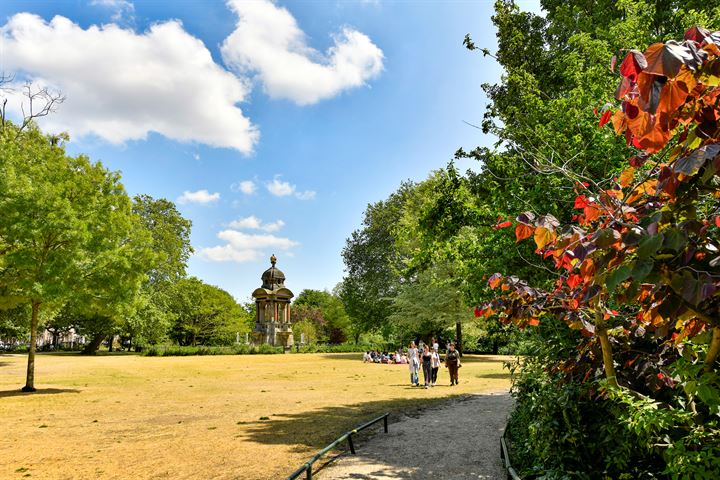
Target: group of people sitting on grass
(375, 356)
(425, 358)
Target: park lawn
(210, 417)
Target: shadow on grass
(501, 376)
(39, 391)
(310, 431)
(318, 428)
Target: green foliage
(185, 351)
(321, 316)
(205, 314)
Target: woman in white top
(435, 363)
(413, 364)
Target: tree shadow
(502, 376)
(39, 391)
(318, 428)
(310, 431)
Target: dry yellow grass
(224, 417)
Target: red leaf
(696, 34)
(605, 118)
(523, 231)
(574, 280)
(613, 61)
(504, 224)
(581, 201)
(633, 64)
(717, 221)
(478, 312)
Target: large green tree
(205, 314)
(67, 231)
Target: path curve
(466, 433)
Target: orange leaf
(534, 322)
(648, 187)
(626, 177)
(574, 280)
(523, 231)
(495, 280)
(504, 224)
(587, 270)
(544, 237)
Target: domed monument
(272, 301)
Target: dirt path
(466, 444)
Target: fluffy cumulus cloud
(121, 85)
(243, 247)
(280, 188)
(247, 187)
(267, 41)
(202, 197)
(254, 223)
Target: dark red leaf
(605, 118)
(633, 64)
(697, 34)
(504, 224)
(613, 61)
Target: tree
(326, 312)
(205, 314)
(640, 270)
(152, 318)
(67, 231)
(372, 264)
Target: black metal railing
(307, 467)
(511, 473)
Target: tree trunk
(458, 335)
(111, 340)
(601, 332)
(30, 379)
(713, 350)
(92, 347)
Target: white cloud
(268, 41)
(247, 187)
(254, 223)
(280, 188)
(201, 196)
(123, 10)
(306, 195)
(283, 189)
(121, 85)
(243, 247)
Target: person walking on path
(452, 362)
(427, 366)
(414, 364)
(435, 363)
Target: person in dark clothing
(452, 362)
(427, 366)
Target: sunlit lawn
(253, 416)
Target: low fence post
(352, 447)
(308, 473)
(385, 423)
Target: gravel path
(466, 445)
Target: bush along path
(458, 439)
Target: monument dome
(273, 324)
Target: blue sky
(272, 125)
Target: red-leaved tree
(642, 258)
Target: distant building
(272, 299)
